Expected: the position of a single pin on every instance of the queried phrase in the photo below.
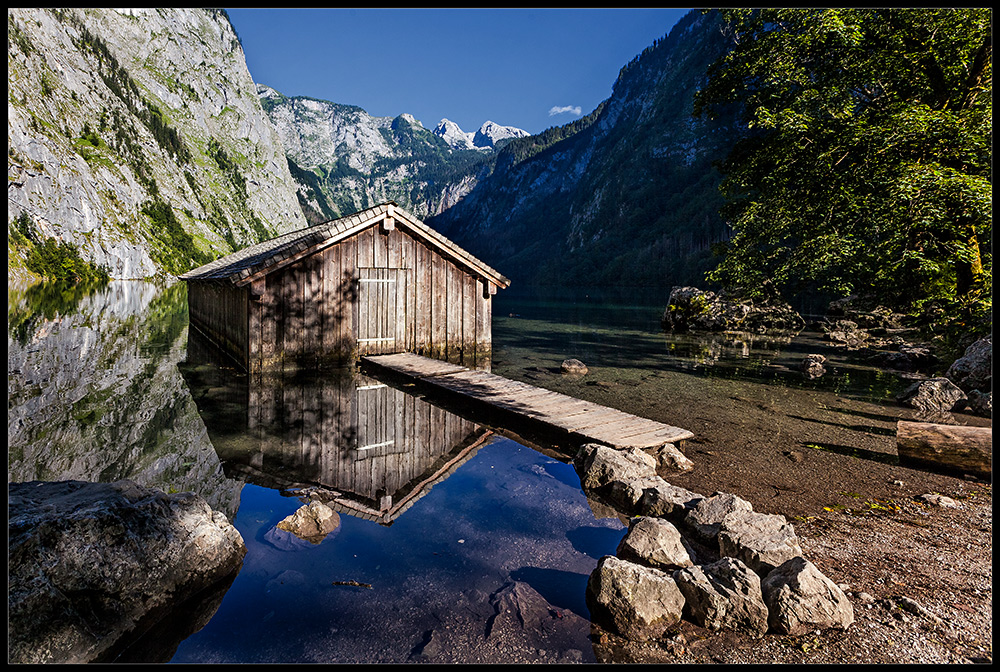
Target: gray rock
(312, 522)
(670, 458)
(760, 540)
(637, 602)
(981, 403)
(522, 614)
(908, 358)
(800, 598)
(599, 466)
(812, 366)
(932, 396)
(93, 564)
(627, 495)
(690, 308)
(654, 542)
(667, 501)
(974, 369)
(847, 333)
(704, 519)
(574, 367)
(724, 594)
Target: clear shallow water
(104, 386)
(534, 329)
(108, 385)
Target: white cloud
(572, 109)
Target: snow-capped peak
(454, 135)
(490, 133)
(485, 138)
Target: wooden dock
(582, 420)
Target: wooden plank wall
(220, 311)
(309, 313)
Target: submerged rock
(573, 367)
(93, 565)
(312, 522)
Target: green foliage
(62, 261)
(868, 166)
(174, 250)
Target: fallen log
(959, 448)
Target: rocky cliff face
(346, 160)
(625, 196)
(137, 137)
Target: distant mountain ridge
(625, 196)
(345, 159)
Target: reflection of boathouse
(368, 449)
(378, 281)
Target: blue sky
(529, 68)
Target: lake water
(446, 527)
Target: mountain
(489, 136)
(625, 196)
(345, 159)
(453, 134)
(137, 141)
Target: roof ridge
(269, 254)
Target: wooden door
(381, 310)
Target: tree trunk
(956, 448)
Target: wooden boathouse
(375, 282)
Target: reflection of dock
(582, 420)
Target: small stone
(865, 598)
(938, 500)
(574, 367)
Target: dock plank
(588, 420)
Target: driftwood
(955, 447)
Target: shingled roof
(247, 264)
